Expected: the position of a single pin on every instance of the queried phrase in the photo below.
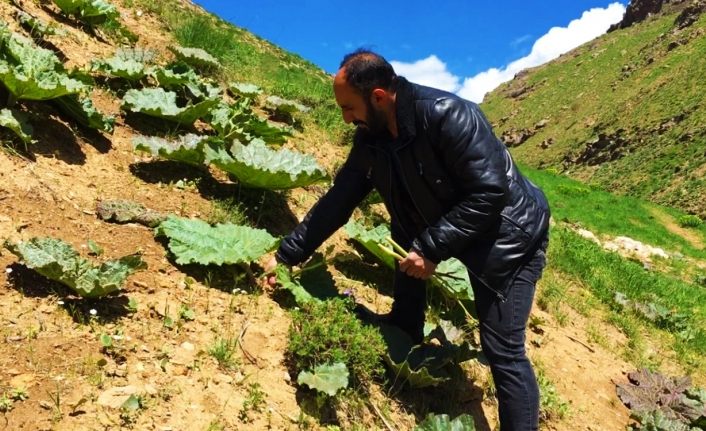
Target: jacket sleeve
(475, 159)
(351, 185)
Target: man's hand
(417, 266)
(270, 277)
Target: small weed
(254, 402)
(223, 350)
(216, 425)
(551, 405)
(19, 394)
(228, 211)
(131, 409)
(5, 403)
(596, 335)
(186, 313)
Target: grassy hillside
(625, 112)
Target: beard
(375, 124)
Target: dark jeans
(502, 334)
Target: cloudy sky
(457, 45)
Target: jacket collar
(405, 107)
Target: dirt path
(665, 219)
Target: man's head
(364, 89)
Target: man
(452, 190)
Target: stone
(116, 397)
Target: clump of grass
(223, 350)
(227, 211)
(328, 332)
(689, 220)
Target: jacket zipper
(499, 295)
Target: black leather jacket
(449, 184)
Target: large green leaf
(182, 79)
(195, 241)
(16, 122)
(185, 149)
(175, 76)
(57, 260)
(82, 110)
(453, 280)
(371, 240)
(451, 275)
(156, 102)
(444, 423)
(89, 11)
(244, 89)
(119, 67)
(238, 121)
(196, 57)
(35, 26)
(421, 365)
(285, 106)
(33, 73)
(258, 166)
(328, 379)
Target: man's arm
(475, 159)
(350, 187)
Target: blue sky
(453, 44)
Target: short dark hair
(366, 70)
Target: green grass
(609, 214)
(248, 58)
(329, 332)
(606, 273)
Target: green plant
(158, 103)
(57, 260)
(29, 72)
(327, 379)
(257, 166)
(689, 220)
(227, 210)
(254, 402)
(17, 122)
(185, 149)
(19, 394)
(223, 350)
(443, 423)
(91, 12)
(328, 332)
(5, 403)
(551, 404)
(239, 121)
(195, 241)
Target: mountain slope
(625, 111)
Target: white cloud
(559, 40)
(430, 71)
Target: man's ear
(378, 97)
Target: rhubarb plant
(257, 166)
(58, 261)
(32, 73)
(91, 12)
(195, 241)
(17, 122)
(156, 102)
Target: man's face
(358, 110)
